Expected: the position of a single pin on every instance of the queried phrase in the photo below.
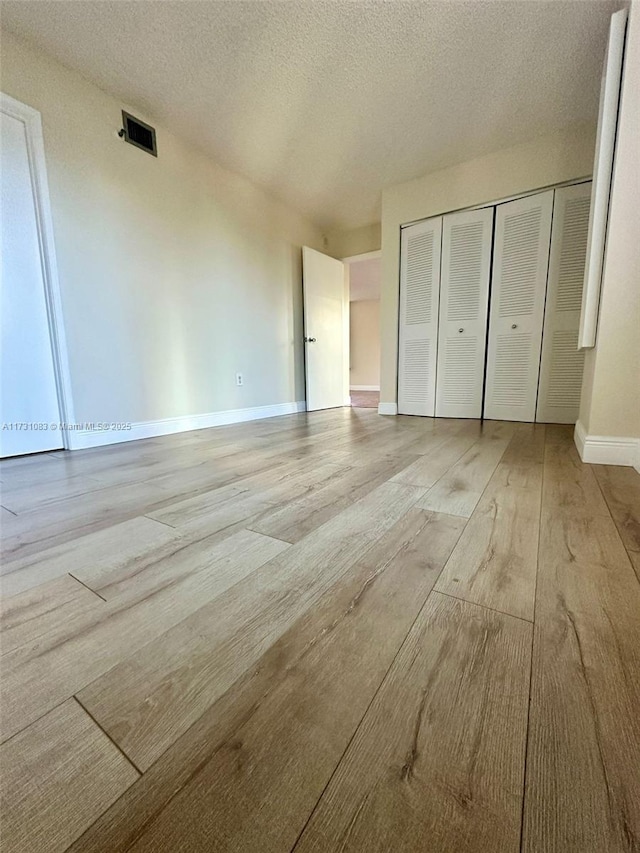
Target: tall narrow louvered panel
(562, 363)
(521, 255)
(512, 366)
(416, 365)
(419, 297)
(464, 295)
(457, 384)
(564, 383)
(420, 279)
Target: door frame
(32, 121)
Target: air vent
(138, 133)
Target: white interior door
(562, 363)
(521, 258)
(602, 176)
(419, 297)
(464, 298)
(28, 383)
(326, 330)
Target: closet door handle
(514, 325)
(461, 330)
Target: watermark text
(86, 426)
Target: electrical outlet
(239, 379)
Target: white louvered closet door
(464, 297)
(521, 256)
(419, 294)
(562, 363)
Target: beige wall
(539, 163)
(357, 241)
(610, 404)
(364, 343)
(175, 274)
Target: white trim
(346, 336)
(579, 435)
(365, 256)
(81, 439)
(388, 409)
(607, 449)
(365, 387)
(37, 164)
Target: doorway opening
(365, 281)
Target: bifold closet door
(418, 332)
(464, 297)
(562, 363)
(521, 258)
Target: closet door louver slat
(464, 294)
(562, 363)
(419, 296)
(521, 255)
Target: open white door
(602, 177)
(325, 330)
(29, 395)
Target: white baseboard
(388, 409)
(81, 439)
(607, 449)
(365, 387)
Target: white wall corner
(81, 439)
(388, 409)
(607, 449)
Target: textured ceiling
(323, 102)
(365, 279)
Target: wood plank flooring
(58, 776)
(323, 632)
(365, 399)
(437, 762)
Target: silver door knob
(310, 340)
(514, 325)
(461, 330)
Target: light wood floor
(365, 399)
(325, 632)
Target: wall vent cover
(139, 134)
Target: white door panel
(464, 295)
(521, 255)
(28, 383)
(602, 176)
(419, 296)
(562, 363)
(325, 322)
